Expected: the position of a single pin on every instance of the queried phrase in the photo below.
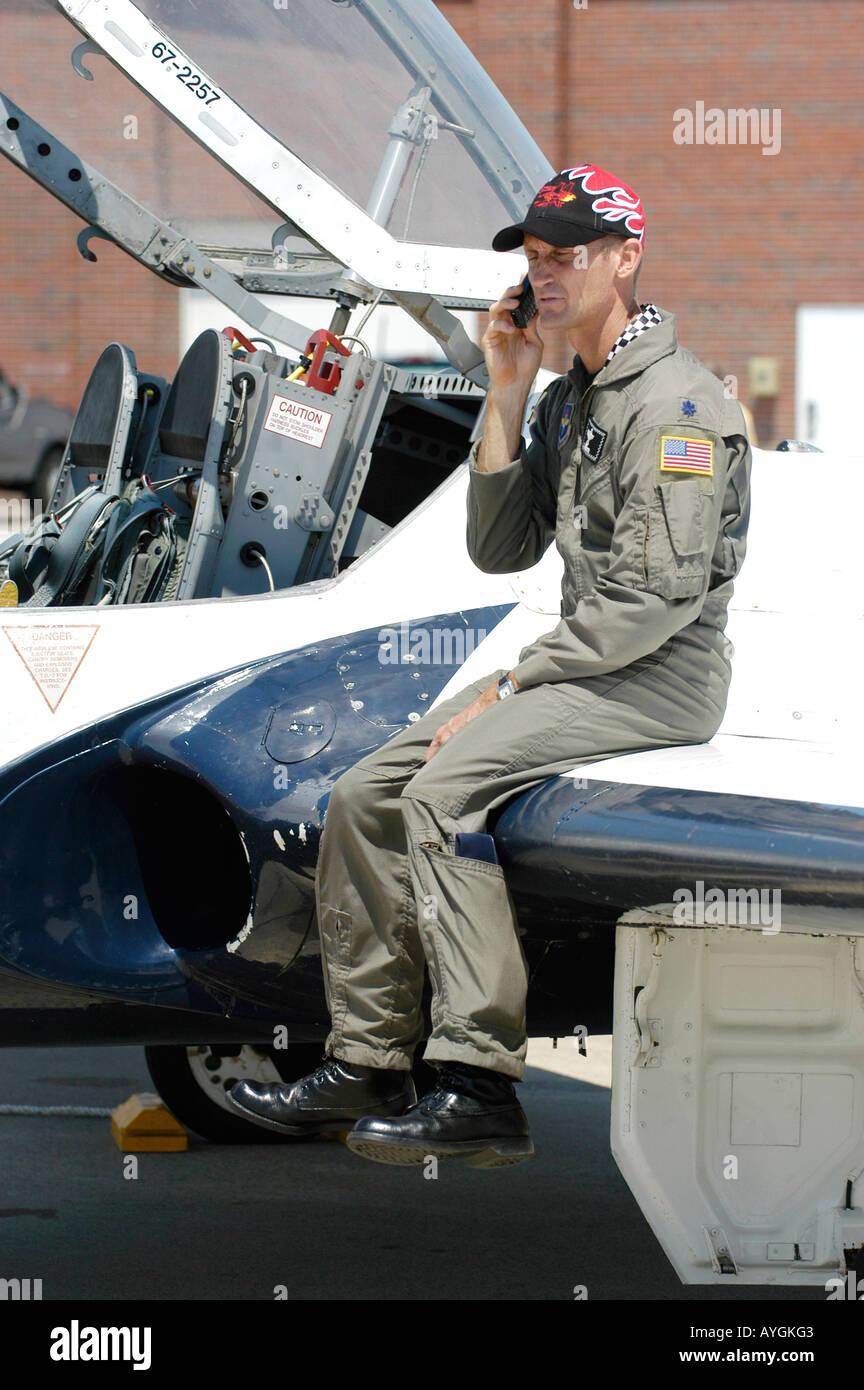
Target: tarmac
(309, 1220)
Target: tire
(43, 482)
(194, 1082)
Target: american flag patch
(681, 455)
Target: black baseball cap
(577, 206)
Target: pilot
(638, 468)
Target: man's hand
(487, 697)
(513, 355)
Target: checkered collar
(659, 343)
(648, 315)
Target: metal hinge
(650, 1029)
(718, 1246)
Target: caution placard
(296, 420)
(52, 653)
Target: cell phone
(527, 306)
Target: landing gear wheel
(194, 1083)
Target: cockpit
(351, 152)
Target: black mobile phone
(527, 306)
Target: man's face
(574, 285)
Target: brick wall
(59, 310)
(735, 239)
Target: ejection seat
(99, 439)
(47, 563)
(131, 429)
(191, 436)
(110, 534)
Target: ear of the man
(629, 256)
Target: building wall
(60, 310)
(736, 239)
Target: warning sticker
(295, 420)
(52, 654)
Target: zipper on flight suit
(583, 407)
(577, 488)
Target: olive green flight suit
(642, 478)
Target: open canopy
(368, 125)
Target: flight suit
(641, 475)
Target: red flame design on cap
(611, 200)
(553, 196)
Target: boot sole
(490, 1153)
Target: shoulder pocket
(675, 542)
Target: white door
(829, 369)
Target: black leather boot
(330, 1098)
(472, 1113)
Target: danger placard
(52, 653)
(296, 420)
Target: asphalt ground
(309, 1220)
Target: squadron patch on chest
(593, 440)
(566, 425)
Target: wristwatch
(505, 687)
